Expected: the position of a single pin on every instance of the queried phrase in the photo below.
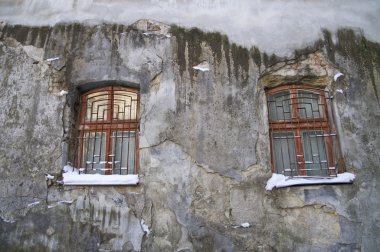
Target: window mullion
(300, 159)
(110, 155)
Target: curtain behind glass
(280, 106)
(94, 152)
(284, 153)
(315, 153)
(123, 143)
(309, 105)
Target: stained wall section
(204, 144)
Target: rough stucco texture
(204, 144)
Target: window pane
(97, 106)
(125, 105)
(94, 152)
(123, 143)
(315, 153)
(309, 105)
(284, 153)
(280, 106)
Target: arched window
(108, 131)
(302, 131)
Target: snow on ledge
(71, 176)
(204, 66)
(279, 180)
(336, 77)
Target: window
(302, 131)
(108, 131)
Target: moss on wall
(256, 56)
(193, 39)
(364, 53)
(26, 35)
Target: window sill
(72, 178)
(279, 180)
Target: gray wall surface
(273, 25)
(204, 142)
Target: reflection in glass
(309, 105)
(315, 153)
(284, 153)
(125, 105)
(97, 106)
(123, 143)
(280, 106)
(94, 152)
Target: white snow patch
(279, 180)
(69, 169)
(144, 227)
(65, 202)
(339, 91)
(52, 59)
(63, 92)
(245, 225)
(48, 176)
(71, 176)
(204, 66)
(33, 204)
(98, 179)
(8, 220)
(336, 77)
(150, 33)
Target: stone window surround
(282, 181)
(297, 115)
(92, 179)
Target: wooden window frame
(298, 125)
(108, 126)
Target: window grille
(107, 141)
(302, 131)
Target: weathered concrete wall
(204, 144)
(274, 26)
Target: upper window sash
(109, 105)
(296, 103)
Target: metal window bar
(310, 130)
(108, 117)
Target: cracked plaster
(203, 150)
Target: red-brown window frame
(108, 126)
(296, 125)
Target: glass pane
(94, 152)
(97, 106)
(123, 143)
(280, 106)
(284, 153)
(125, 105)
(309, 105)
(315, 153)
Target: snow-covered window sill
(71, 176)
(98, 179)
(279, 180)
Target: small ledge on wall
(71, 176)
(279, 180)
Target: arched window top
(110, 104)
(293, 102)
